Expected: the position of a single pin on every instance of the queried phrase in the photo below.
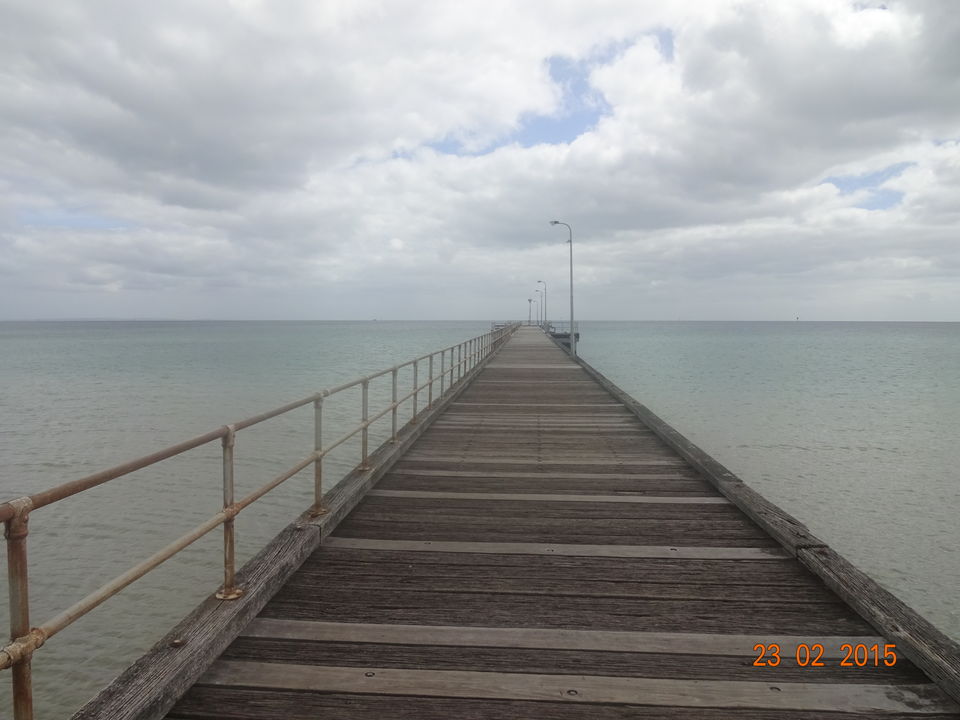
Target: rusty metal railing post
(430, 387)
(416, 382)
(318, 508)
(443, 370)
(459, 362)
(393, 412)
(229, 591)
(19, 587)
(364, 433)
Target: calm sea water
(852, 427)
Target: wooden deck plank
(208, 702)
(552, 535)
(363, 580)
(583, 550)
(522, 505)
(553, 661)
(583, 476)
(401, 606)
(671, 572)
(581, 469)
(673, 643)
(582, 689)
(543, 497)
(660, 485)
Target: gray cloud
(270, 162)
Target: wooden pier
(539, 552)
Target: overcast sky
(401, 159)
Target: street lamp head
(554, 222)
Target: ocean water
(852, 427)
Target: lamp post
(546, 327)
(537, 311)
(573, 333)
(529, 310)
(542, 305)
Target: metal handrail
(26, 639)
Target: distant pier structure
(560, 332)
(535, 544)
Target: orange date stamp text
(812, 655)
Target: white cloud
(281, 155)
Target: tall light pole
(540, 314)
(546, 326)
(573, 333)
(537, 303)
(529, 310)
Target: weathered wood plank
(520, 475)
(651, 485)
(672, 643)
(560, 661)
(551, 463)
(543, 497)
(402, 606)
(361, 581)
(533, 366)
(625, 551)
(607, 403)
(844, 697)
(605, 519)
(526, 505)
(785, 576)
(552, 533)
(211, 702)
(542, 382)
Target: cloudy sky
(400, 159)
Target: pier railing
(445, 369)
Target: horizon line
(396, 320)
